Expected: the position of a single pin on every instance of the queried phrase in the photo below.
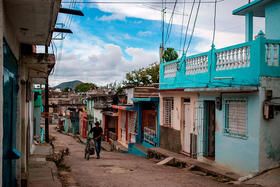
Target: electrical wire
(190, 40)
(136, 2)
(170, 24)
(186, 33)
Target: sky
(113, 39)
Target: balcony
(239, 65)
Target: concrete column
(249, 27)
(1, 85)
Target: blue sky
(113, 39)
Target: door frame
(206, 124)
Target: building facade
(233, 98)
(22, 26)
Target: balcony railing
(237, 65)
(233, 58)
(150, 136)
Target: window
(168, 107)
(236, 117)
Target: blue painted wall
(236, 153)
(272, 20)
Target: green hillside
(70, 84)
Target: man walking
(97, 134)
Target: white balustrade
(170, 70)
(272, 54)
(233, 58)
(197, 65)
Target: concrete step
(184, 161)
(118, 147)
(141, 148)
(166, 161)
(106, 146)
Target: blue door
(10, 90)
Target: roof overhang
(257, 7)
(126, 107)
(39, 66)
(224, 89)
(33, 20)
(151, 99)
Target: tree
(143, 76)
(67, 89)
(83, 87)
(169, 55)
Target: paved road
(119, 169)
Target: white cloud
(89, 59)
(229, 28)
(144, 33)
(112, 17)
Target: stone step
(166, 161)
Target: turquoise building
(236, 91)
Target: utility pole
(47, 105)
(161, 49)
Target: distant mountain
(70, 84)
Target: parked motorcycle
(90, 149)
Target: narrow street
(119, 169)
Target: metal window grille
(168, 107)
(132, 122)
(236, 117)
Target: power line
(186, 34)
(138, 2)
(190, 40)
(169, 27)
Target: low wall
(170, 139)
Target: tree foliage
(83, 87)
(143, 76)
(67, 89)
(169, 54)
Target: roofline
(236, 11)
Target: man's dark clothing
(96, 132)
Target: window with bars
(236, 117)
(168, 107)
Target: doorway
(209, 130)
(10, 91)
(187, 126)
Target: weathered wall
(7, 32)
(1, 87)
(37, 116)
(269, 129)
(98, 116)
(237, 153)
(130, 93)
(178, 117)
(170, 139)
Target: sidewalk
(42, 173)
(270, 178)
(181, 160)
